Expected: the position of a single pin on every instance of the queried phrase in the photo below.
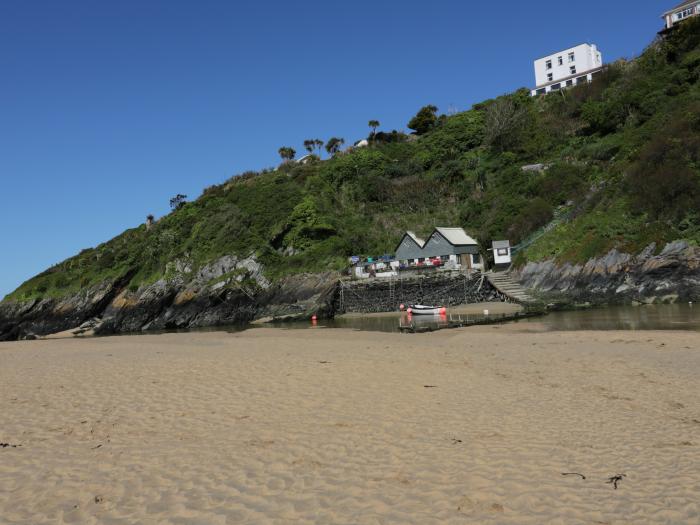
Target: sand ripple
(339, 427)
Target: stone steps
(508, 287)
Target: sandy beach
(339, 427)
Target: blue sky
(107, 109)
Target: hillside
(622, 159)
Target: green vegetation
(333, 145)
(287, 153)
(621, 169)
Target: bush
(535, 215)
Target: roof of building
(456, 236)
(420, 242)
(500, 244)
(680, 6)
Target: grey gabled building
(410, 248)
(450, 245)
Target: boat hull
(425, 310)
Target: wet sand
(336, 426)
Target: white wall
(501, 259)
(675, 17)
(586, 58)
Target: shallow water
(653, 317)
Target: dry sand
(335, 426)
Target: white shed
(501, 253)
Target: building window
(572, 70)
(561, 61)
(502, 252)
(476, 258)
(541, 91)
(556, 86)
(549, 64)
(572, 57)
(570, 82)
(550, 77)
(685, 13)
(444, 258)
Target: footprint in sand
(471, 505)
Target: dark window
(476, 258)
(569, 82)
(549, 64)
(541, 91)
(556, 87)
(561, 61)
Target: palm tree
(287, 153)
(319, 144)
(374, 124)
(333, 145)
(309, 145)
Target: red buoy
(314, 318)
(402, 307)
(410, 310)
(443, 311)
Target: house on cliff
(681, 12)
(566, 68)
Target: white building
(567, 68)
(681, 12)
(501, 253)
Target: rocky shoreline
(672, 275)
(233, 290)
(228, 291)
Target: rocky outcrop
(230, 290)
(669, 276)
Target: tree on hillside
(287, 153)
(178, 201)
(504, 122)
(425, 120)
(319, 144)
(334, 144)
(309, 145)
(374, 124)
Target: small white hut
(501, 253)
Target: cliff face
(672, 275)
(228, 291)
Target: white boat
(419, 309)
